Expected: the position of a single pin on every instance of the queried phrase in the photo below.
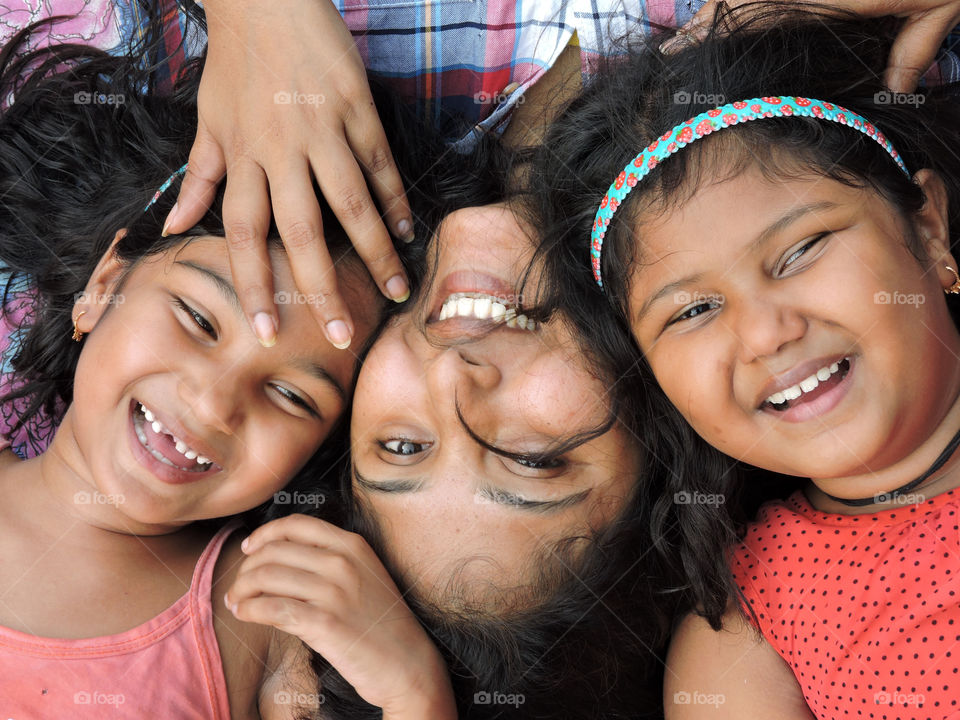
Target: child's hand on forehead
(326, 586)
(284, 96)
(925, 25)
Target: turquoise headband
(702, 125)
(166, 186)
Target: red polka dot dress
(864, 608)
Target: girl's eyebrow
(223, 285)
(490, 494)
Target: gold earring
(77, 334)
(955, 288)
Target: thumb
(205, 169)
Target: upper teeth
(804, 386)
(484, 307)
(182, 447)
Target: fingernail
(265, 328)
(405, 230)
(169, 220)
(339, 334)
(245, 544)
(398, 289)
(226, 602)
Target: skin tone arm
(925, 25)
(733, 673)
(284, 95)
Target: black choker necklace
(888, 496)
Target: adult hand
(283, 93)
(925, 25)
(326, 586)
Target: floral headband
(702, 125)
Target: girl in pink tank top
(112, 571)
(795, 231)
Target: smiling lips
(824, 378)
(164, 446)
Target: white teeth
(158, 428)
(792, 393)
(484, 307)
(481, 307)
(805, 385)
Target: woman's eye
(199, 320)
(801, 251)
(403, 447)
(539, 463)
(294, 399)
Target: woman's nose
(213, 402)
(763, 326)
(455, 371)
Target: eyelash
(800, 252)
(200, 321)
(206, 327)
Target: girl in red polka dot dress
(780, 234)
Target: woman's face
(454, 424)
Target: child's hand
(326, 586)
(925, 25)
(284, 92)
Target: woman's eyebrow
(387, 486)
(518, 502)
(223, 285)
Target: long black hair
(762, 49)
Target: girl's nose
(764, 327)
(214, 404)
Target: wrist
(431, 697)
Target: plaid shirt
(452, 58)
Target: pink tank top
(168, 667)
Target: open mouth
(164, 446)
(810, 388)
(487, 308)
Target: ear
(97, 295)
(932, 225)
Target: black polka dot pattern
(864, 608)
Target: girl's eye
(294, 399)
(693, 311)
(538, 462)
(200, 321)
(403, 447)
(801, 252)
